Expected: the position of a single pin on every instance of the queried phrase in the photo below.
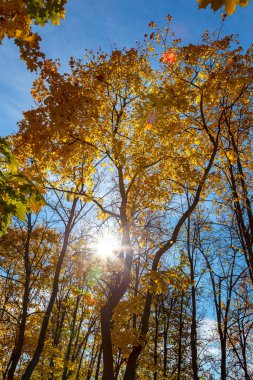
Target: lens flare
(169, 57)
(107, 247)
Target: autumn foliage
(126, 212)
(17, 18)
(229, 5)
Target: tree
(204, 112)
(24, 248)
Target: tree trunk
(66, 374)
(156, 342)
(223, 359)
(106, 315)
(194, 351)
(98, 364)
(181, 325)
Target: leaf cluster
(230, 5)
(18, 194)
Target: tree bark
(106, 315)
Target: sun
(107, 247)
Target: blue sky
(102, 23)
